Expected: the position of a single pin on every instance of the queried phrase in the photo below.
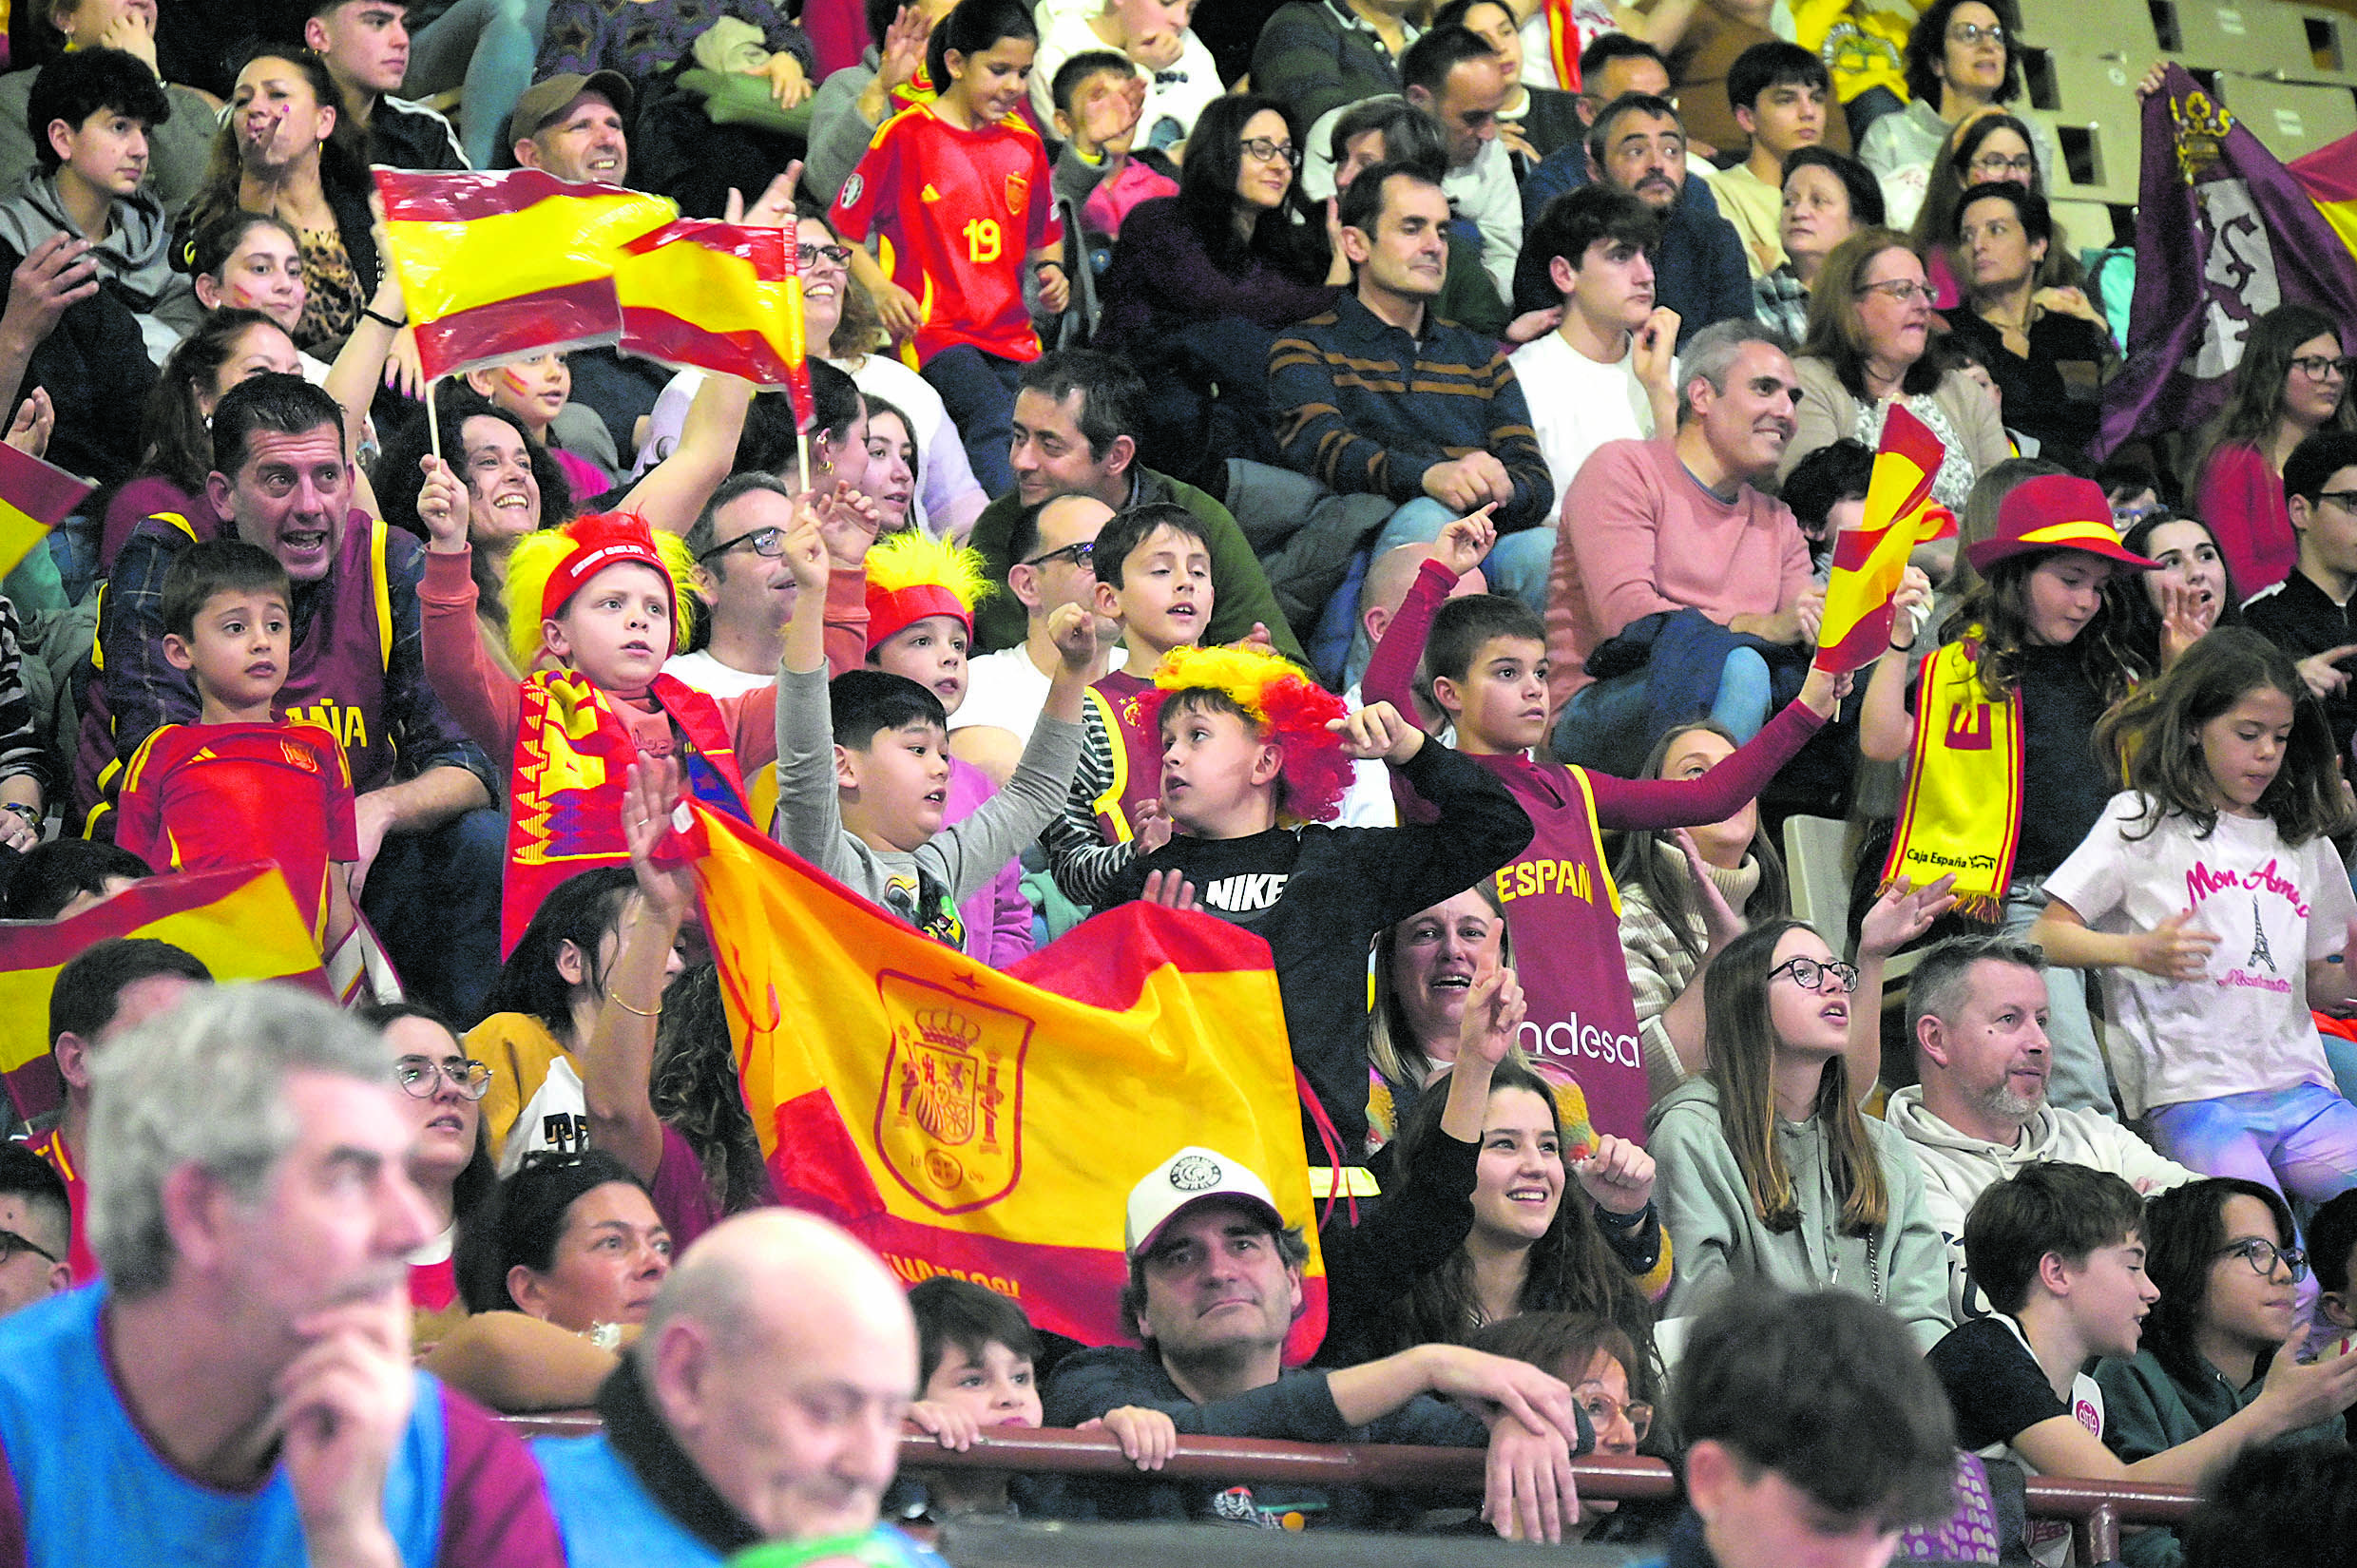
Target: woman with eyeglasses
(2221, 1254)
(450, 1161)
(1769, 1174)
(839, 314)
(1610, 1380)
(1239, 241)
(2048, 349)
(1869, 347)
(1985, 147)
(1960, 57)
(2292, 382)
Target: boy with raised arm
(864, 803)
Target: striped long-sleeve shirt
(23, 747)
(1365, 408)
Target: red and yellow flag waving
(976, 1123)
(242, 922)
(723, 296)
(1869, 559)
(494, 266)
(35, 498)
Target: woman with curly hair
(2292, 382)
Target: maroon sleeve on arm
(1392, 670)
(1627, 803)
(15, 1552)
(495, 1509)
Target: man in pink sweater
(1693, 585)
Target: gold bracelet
(616, 999)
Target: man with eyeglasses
(2308, 613)
(1053, 542)
(107, 990)
(1453, 75)
(1976, 1011)
(738, 541)
(35, 1227)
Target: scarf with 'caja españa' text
(1962, 813)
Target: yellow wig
(913, 575)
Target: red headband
(891, 609)
(606, 538)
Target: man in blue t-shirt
(237, 1391)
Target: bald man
(762, 1403)
(1368, 802)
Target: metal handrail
(2095, 1510)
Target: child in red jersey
(958, 193)
(241, 785)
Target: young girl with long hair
(2211, 898)
(2026, 666)
(1683, 892)
(1562, 1221)
(958, 192)
(2292, 382)
(2171, 609)
(1769, 1174)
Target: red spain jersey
(958, 212)
(199, 798)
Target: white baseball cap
(1190, 1177)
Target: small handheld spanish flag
(1869, 560)
(35, 498)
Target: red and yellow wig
(1288, 708)
(911, 575)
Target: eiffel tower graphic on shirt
(2260, 953)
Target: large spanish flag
(35, 498)
(717, 296)
(242, 922)
(981, 1124)
(497, 266)
(1869, 560)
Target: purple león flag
(2223, 236)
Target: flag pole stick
(801, 455)
(434, 423)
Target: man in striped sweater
(1379, 396)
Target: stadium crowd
(1363, 473)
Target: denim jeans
(489, 47)
(1517, 562)
(434, 898)
(978, 391)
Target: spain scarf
(572, 761)
(1962, 808)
